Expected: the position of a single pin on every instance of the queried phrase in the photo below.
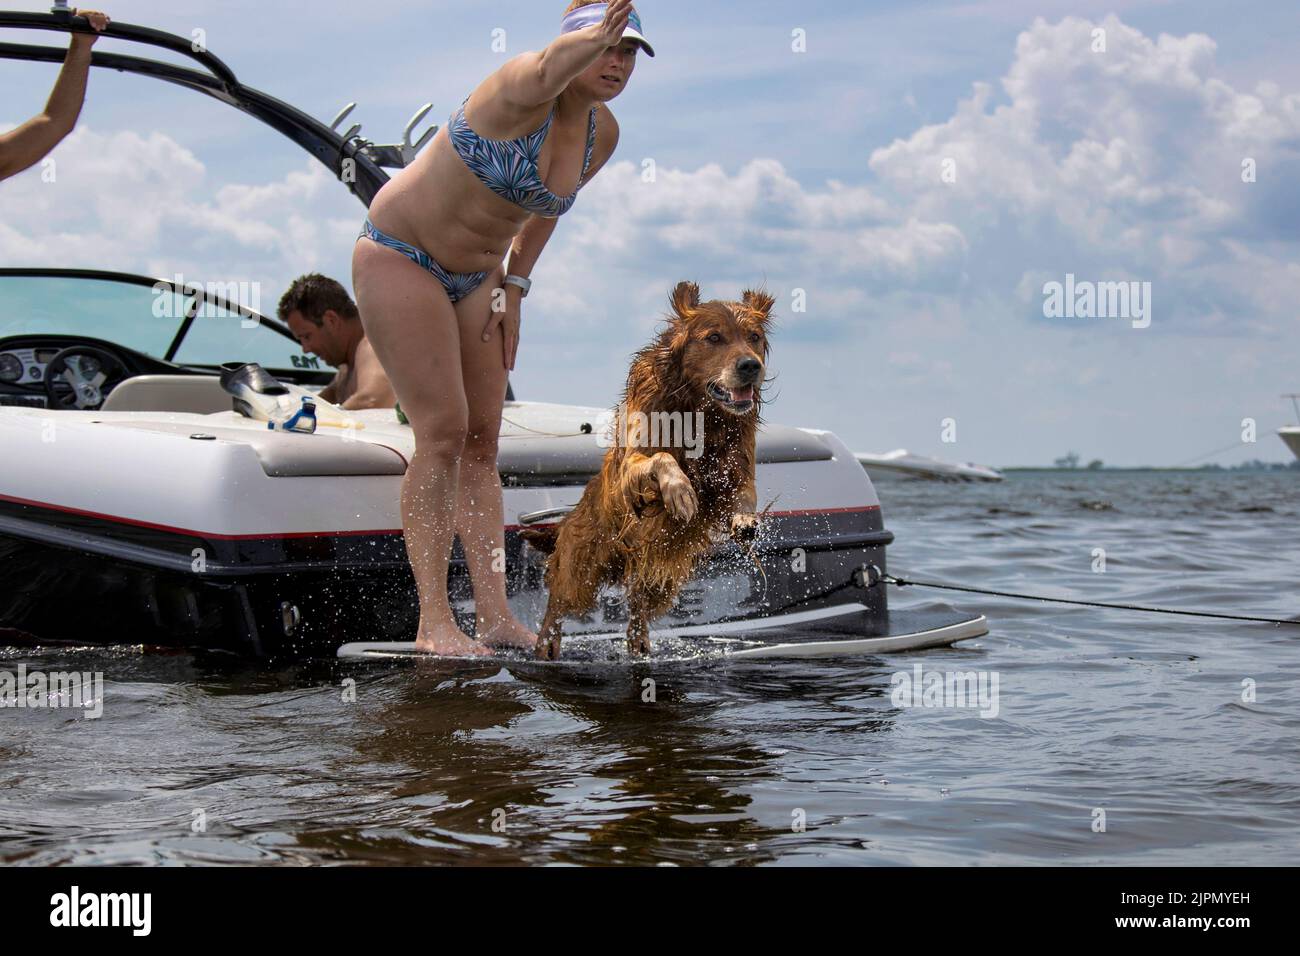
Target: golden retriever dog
(678, 475)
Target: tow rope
(869, 576)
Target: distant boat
(1291, 433)
(901, 462)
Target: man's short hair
(313, 295)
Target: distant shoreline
(1262, 468)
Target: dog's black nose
(749, 368)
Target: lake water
(1119, 738)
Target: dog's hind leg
(645, 602)
(638, 624)
(573, 583)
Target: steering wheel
(81, 376)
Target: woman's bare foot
(448, 641)
(506, 633)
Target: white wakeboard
(827, 632)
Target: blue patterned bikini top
(509, 167)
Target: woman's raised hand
(611, 28)
(100, 21)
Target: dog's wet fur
(653, 512)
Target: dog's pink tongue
(745, 394)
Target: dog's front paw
(638, 645)
(744, 528)
(678, 496)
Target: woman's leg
(480, 519)
(413, 329)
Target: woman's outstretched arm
(536, 77)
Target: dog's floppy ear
(685, 299)
(675, 335)
(759, 301)
(674, 338)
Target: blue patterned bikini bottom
(457, 284)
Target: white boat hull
(901, 463)
(182, 528)
(1291, 436)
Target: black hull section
(84, 580)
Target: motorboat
(139, 506)
(1290, 434)
(902, 463)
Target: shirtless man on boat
(325, 321)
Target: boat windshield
(168, 320)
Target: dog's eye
(754, 337)
(714, 337)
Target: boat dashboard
(25, 366)
(52, 371)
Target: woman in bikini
(429, 266)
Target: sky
(906, 178)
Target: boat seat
(199, 394)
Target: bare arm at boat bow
(31, 142)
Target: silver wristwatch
(523, 284)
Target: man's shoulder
(365, 352)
